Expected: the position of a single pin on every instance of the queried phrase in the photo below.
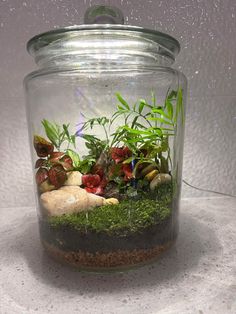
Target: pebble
(151, 175)
(159, 179)
(74, 178)
(148, 169)
(46, 186)
(111, 201)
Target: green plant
(140, 135)
(145, 132)
(58, 135)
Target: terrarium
(106, 117)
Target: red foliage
(98, 190)
(40, 163)
(95, 183)
(43, 147)
(119, 154)
(55, 156)
(61, 159)
(41, 175)
(57, 175)
(91, 180)
(127, 169)
(97, 169)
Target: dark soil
(69, 239)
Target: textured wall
(206, 31)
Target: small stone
(151, 175)
(74, 178)
(148, 169)
(46, 186)
(161, 178)
(111, 201)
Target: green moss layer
(127, 217)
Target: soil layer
(68, 238)
(117, 260)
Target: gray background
(206, 31)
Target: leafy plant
(91, 123)
(57, 134)
(60, 135)
(142, 139)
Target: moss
(127, 217)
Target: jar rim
(46, 38)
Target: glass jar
(106, 125)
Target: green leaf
(104, 121)
(141, 106)
(65, 128)
(116, 115)
(73, 140)
(153, 99)
(134, 122)
(179, 106)
(127, 117)
(128, 160)
(164, 144)
(51, 132)
(121, 108)
(134, 131)
(160, 120)
(172, 95)
(89, 137)
(158, 131)
(130, 145)
(74, 156)
(169, 108)
(86, 164)
(140, 125)
(161, 112)
(122, 101)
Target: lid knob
(103, 14)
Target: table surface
(197, 275)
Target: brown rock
(159, 179)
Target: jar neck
(102, 51)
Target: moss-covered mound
(129, 216)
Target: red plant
(119, 154)
(40, 163)
(121, 170)
(41, 175)
(43, 147)
(57, 175)
(128, 171)
(91, 180)
(61, 159)
(95, 183)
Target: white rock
(159, 179)
(111, 201)
(74, 178)
(68, 200)
(46, 186)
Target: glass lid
(101, 19)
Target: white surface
(206, 30)
(197, 276)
